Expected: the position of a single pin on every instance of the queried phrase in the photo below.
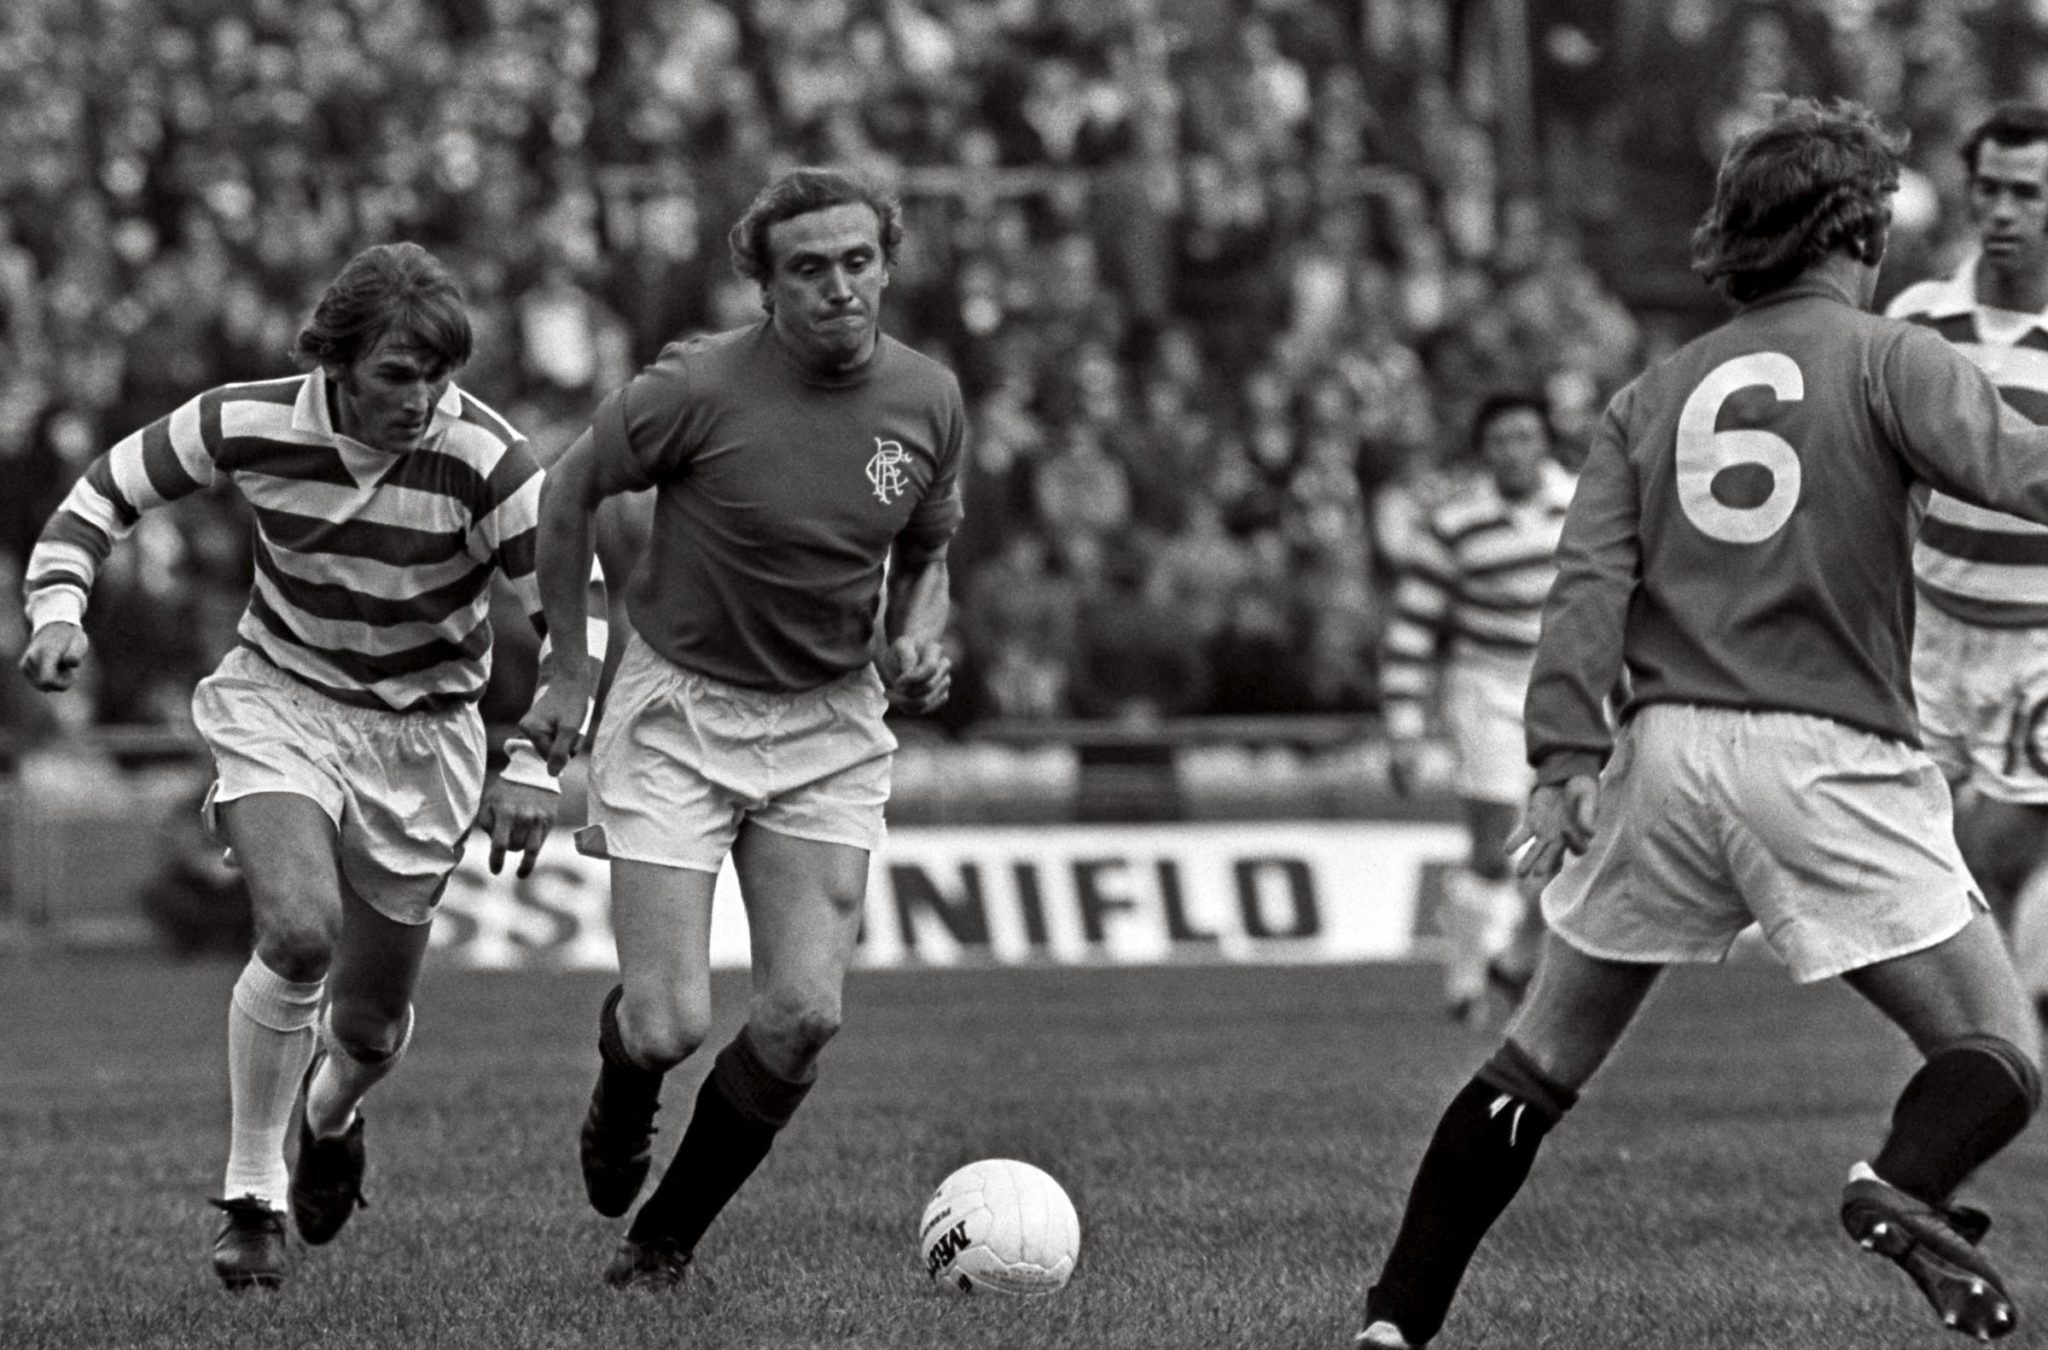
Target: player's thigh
(284, 843)
(2002, 841)
(661, 922)
(1577, 1009)
(376, 968)
(803, 899)
(1964, 986)
(1843, 842)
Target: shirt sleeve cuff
(1564, 764)
(524, 766)
(58, 604)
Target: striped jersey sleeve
(1982, 566)
(170, 458)
(372, 570)
(1472, 590)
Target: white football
(1002, 1227)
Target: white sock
(270, 1042)
(343, 1080)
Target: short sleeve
(938, 513)
(644, 430)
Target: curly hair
(386, 288)
(1817, 179)
(798, 193)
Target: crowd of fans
(1222, 278)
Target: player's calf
(327, 1183)
(616, 1144)
(1968, 1101)
(1475, 1163)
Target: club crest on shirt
(885, 470)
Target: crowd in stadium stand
(1222, 278)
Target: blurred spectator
(1222, 279)
(1135, 660)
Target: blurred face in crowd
(824, 287)
(386, 398)
(1513, 445)
(2009, 203)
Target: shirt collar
(1955, 295)
(312, 412)
(1812, 284)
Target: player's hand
(918, 676)
(1558, 821)
(1404, 765)
(517, 818)
(53, 656)
(555, 721)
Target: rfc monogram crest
(885, 470)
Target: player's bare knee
(796, 1027)
(814, 1029)
(296, 943)
(663, 1036)
(365, 1032)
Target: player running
(347, 746)
(1470, 600)
(800, 466)
(1980, 648)
(1740, 544)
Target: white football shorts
(1838, 843)
(402, 789)
(1482, 710)
(1983, 695)
(680, 760)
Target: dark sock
(1477, 1160)
(1968, 1101)
(619, 1078)
(740, 1109)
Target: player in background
(1741, 544)
(1980, 652)
(1469, 603)
(347, 748)
(805, 472)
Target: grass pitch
(1238, 1142)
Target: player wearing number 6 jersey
(1740, 545)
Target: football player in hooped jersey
(1980, 648)
(1741, 544)
(802, 467)
(348, 750)
(1473, 591)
